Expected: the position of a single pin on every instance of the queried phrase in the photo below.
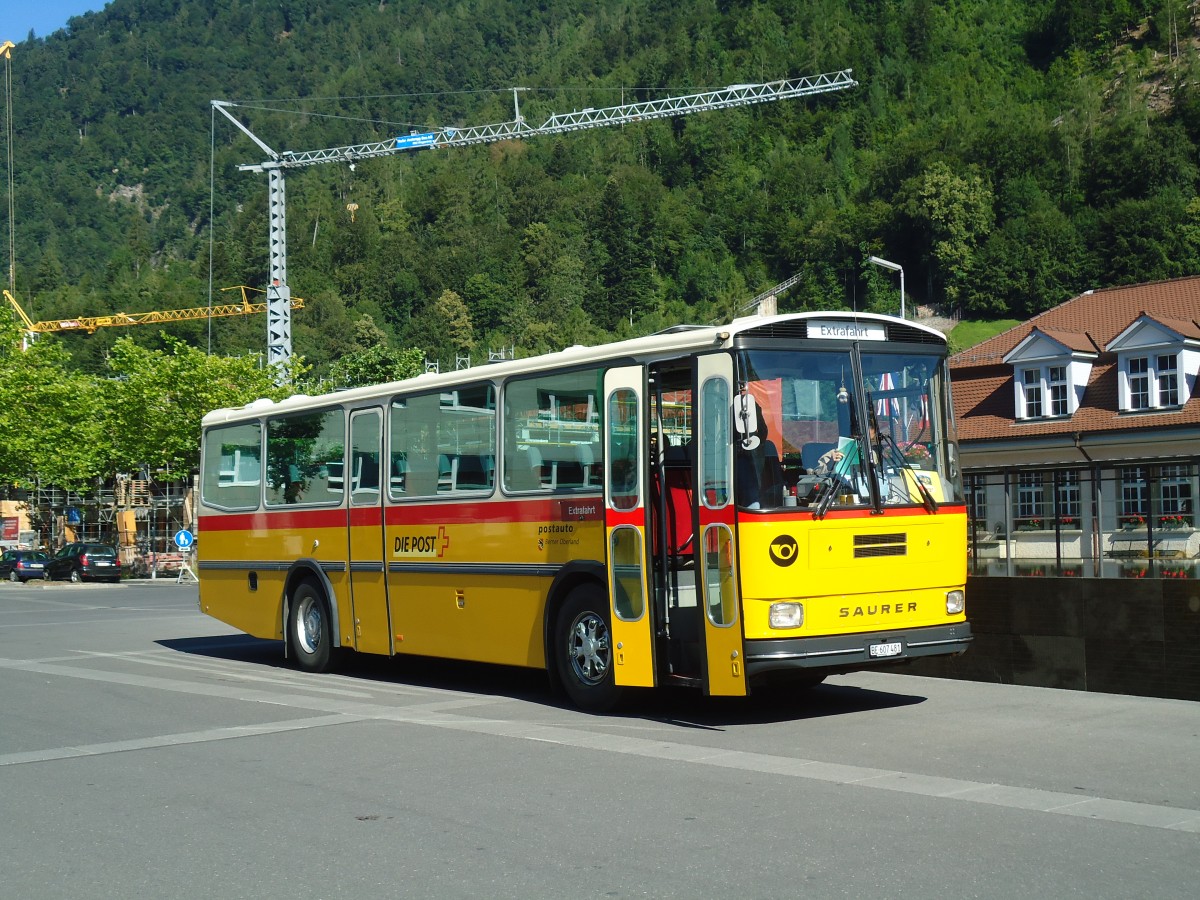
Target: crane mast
(279, 332)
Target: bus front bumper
(848, 652)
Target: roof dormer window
(1150, 356)
(1150, 382)
(1050, 374)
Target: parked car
(22, 565)
(83, 561)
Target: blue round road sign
(184, 539)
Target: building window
(1151, 382)
(1175, 496)
(1133, 495)
(1044, 392)
(1168, 380)
(1033, 393)
(1029, 500)
(1139, 383)
(1068, 499)
(976, 488)
(1058, 390)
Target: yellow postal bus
(770, 501)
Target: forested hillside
(1008, 154)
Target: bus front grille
(871, 545)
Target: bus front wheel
(310, 634)
(583, 650)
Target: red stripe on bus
(365, 515)
(281, 519)
(496, 512)
(540, 509)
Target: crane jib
(279, 341)
(558, 123)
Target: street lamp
(895, 267)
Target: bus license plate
(880, 650)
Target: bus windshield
(810, 432)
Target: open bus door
(721, 634)
(632, 625)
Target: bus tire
(310, 628)
(583, 651)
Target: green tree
(157, 398)
(377, 365)
(55, 422)
(955, 213)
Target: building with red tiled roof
(1088, 416)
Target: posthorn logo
(783, 550)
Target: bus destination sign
(843, 330)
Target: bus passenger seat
(677, 474)
(474, 473)
(568, 474)
(399, 471)
(422, 478)
(523, 469)
(586, 455)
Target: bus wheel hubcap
(588, 648)
(308, 628)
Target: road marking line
(434, 715)
(173, 740)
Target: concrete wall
(1123, 636)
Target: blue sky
(43, 16)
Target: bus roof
(661, 345)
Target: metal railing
(1106, 520)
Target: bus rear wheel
(583, 650)
(310, 629)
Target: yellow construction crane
(91, 323)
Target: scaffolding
(138, 514)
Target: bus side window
(551, 428)
(230, 478)
(300, 450)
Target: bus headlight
(786, 615)
(956, 602)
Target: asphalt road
(148, 751)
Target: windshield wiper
(897, 458)
(825, 494)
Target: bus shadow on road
(450, 676)
(690, 709)
(681, 707)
